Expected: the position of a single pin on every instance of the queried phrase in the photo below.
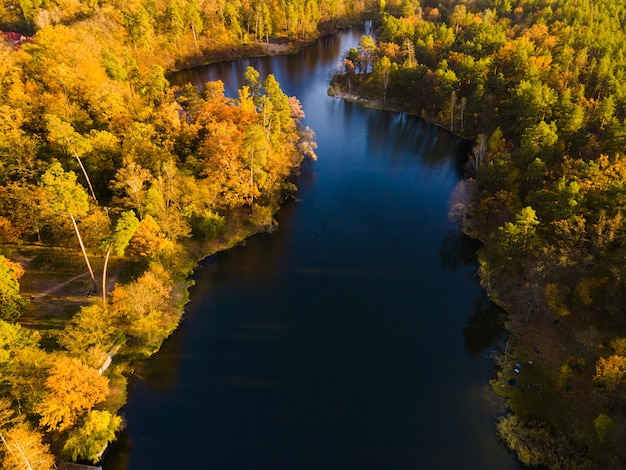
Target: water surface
(355, 337)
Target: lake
(354, 337)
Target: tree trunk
(452, 103)
(195, 37)
(80, 162)
(104, 278)
(82, 247)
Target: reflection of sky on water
(337, 342)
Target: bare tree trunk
(82, 167)
(195, 38)
(452, 103)
(82, 247)
(6, 445)
(463, 104)
(104, 278)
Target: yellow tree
(145, 308)
(11, 302)
(64, 135)
(611, 371)
(88, 441)
(131, 180)
(72, 390)
(21, 448)
(90, 335)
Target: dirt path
(57, 284)
(58, 287)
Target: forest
(113, 184)
(540, 87)
(107, 169)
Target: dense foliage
(99, 153)
(541, 86)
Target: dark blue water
(355, 337)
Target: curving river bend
(355, 337)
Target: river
(354, 337)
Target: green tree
(522, 233)
(138, 25)
(366, 54)
(194, 19)
(64, 135)
(252, 80)
(383, 70)
(174, 20)
(119, 239)
(144, 308)
(90, 335)
(23, 365)
(89, 440)
(67, 196)
(12, 304)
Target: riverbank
(158, 177)
(69, 320)
(377, 103)
(546, 367)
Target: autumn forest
(108, 170)
(539, 87)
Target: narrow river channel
(356, 336)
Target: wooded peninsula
(114, 184)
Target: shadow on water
(486, 324)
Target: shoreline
(520, 358)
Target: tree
(88, 441)
(138, 26)
(366, 52)
(145, 309)
(174, 19)
(479, 153)
(12, 304)
(64, 135)
(148, 241)
(382, 74)
(462, 202)
(23, 449)
(252, 80)
(539, 139)
(23, 365)
(131, 179)
(306, 143)
(194, 19)
(118, 241)
(521, 234)
(67, 196)
(611, 371)
(90, 335)
(72, 390)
